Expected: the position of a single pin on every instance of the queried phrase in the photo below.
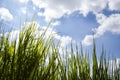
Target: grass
(37, 58)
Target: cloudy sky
(75, 20)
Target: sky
(73, 20)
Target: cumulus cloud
(115, 62)
(111, 24)
(24, 10)
(40, 14)
(55, 23)
(23, 1)
(14, 35)
(100, 18)
(114, 65)
(65, 40)
(54, 9)
(87, 40)
(57, 8)
(114, 5)
(5, 14)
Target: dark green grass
(37, 58)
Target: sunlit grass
(33, 57)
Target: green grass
(36, 58)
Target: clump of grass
(33, 57)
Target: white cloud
(111, 24)
(54, 9)
(55, 23)
(114, 65)
(23, 1)
(65, 40)
(57, 8)
(12, 35)
(114, 4)
(34, 8)
(115, 62)
(5, 14)
(94, 6)
(100, 17)
(24, 10)
(88, 40)
(40, 14)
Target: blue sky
(75, 20)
